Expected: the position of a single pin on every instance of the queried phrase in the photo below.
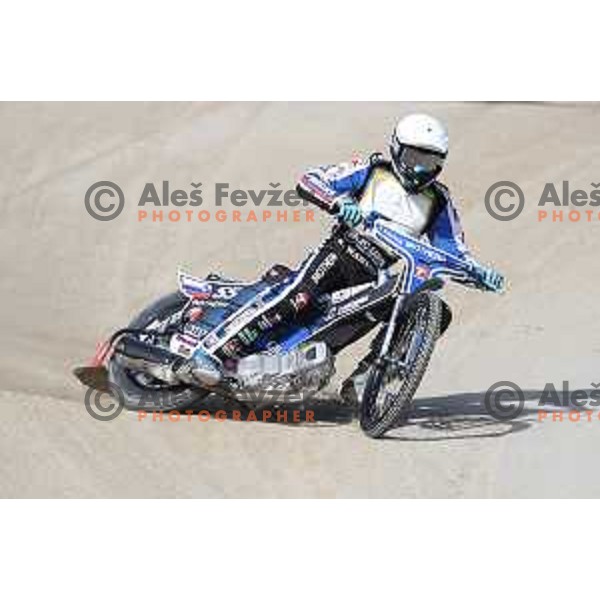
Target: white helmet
(418, 148)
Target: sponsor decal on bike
(192, 287)
(210, 341)
(202, 289)
(195, 330)
(266, 323)
(324, 267)
(422, 272)
(360, 259)
(211, 303)
(345, 294)
(368, 249)
(226, 292)
(345, 309)
(273, 348)
(195, 314)
(248, 335)
(184, 344)
(241, 318)
(232, 348)
(301, 301)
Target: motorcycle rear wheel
(141, 393)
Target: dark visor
(417, 160)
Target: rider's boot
(352, 388)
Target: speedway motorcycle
(146, 360)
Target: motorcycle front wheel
(393, 380)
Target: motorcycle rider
(404, 189)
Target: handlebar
(422, 257)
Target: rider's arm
(328, 186)
(446, 232)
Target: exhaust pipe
(166, 365)
(147, 358)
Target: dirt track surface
(68, 280)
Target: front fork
(390, 331)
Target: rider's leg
(341, 261)
(319, 274)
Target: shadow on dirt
(465, 415)
(455, 416)
(458, 416)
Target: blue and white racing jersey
(373, 184)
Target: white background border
(297, 549)
(309, 50)
(298, 50)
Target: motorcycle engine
(303, 371)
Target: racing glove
(349, 212)
(490, 280)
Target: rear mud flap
(94, 377)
